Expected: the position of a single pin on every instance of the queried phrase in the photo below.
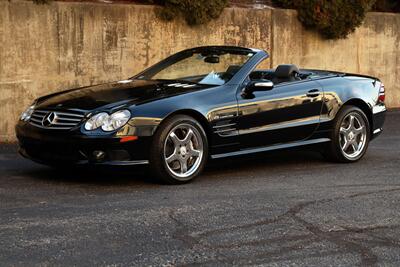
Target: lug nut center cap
(351, 135)
(183, 150)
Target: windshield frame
(165, 63)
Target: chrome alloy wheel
(352, 135)
(183, 150)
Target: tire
(179, 141)
(350, 137)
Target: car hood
(128, 92)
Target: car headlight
(116, 120)
(26, 115)
(96, 121)
(108, 122)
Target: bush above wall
(332, 19)
(194, 12)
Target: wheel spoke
(354, 146)
(172, 158)
(186, 143)
(192, 151)
(359, 130)
(188, 136)
(353, 135)
(351, 121)
(175, 139)
(183, 163)
(345, 145)
(343, 130)
(195, 153)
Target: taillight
(381, 97)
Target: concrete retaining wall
(47, 48)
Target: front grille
(58, 120)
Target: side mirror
(260, 85)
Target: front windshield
(213, 67)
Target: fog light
(99, 155)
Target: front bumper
(53, 147)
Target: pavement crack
(296, 238)
(240, 227)
(340, 238)
(182, 233)
(368, 258)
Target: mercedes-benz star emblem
(50, 119)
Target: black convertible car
(201, 103)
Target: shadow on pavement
(141, 175)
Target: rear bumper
(378, 119)
(73, 148)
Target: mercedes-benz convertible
(204, 103)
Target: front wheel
(350, 136)
(179, 150)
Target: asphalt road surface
(287, 208)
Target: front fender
(206, 106)
(140, 126)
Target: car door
(288, 112)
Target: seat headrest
(286, 71)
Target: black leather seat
(286, 73)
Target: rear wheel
(179, 150)
(350, 136)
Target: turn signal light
(128, 139)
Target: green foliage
(332, 19)
(194, 12)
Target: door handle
(313, 93)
